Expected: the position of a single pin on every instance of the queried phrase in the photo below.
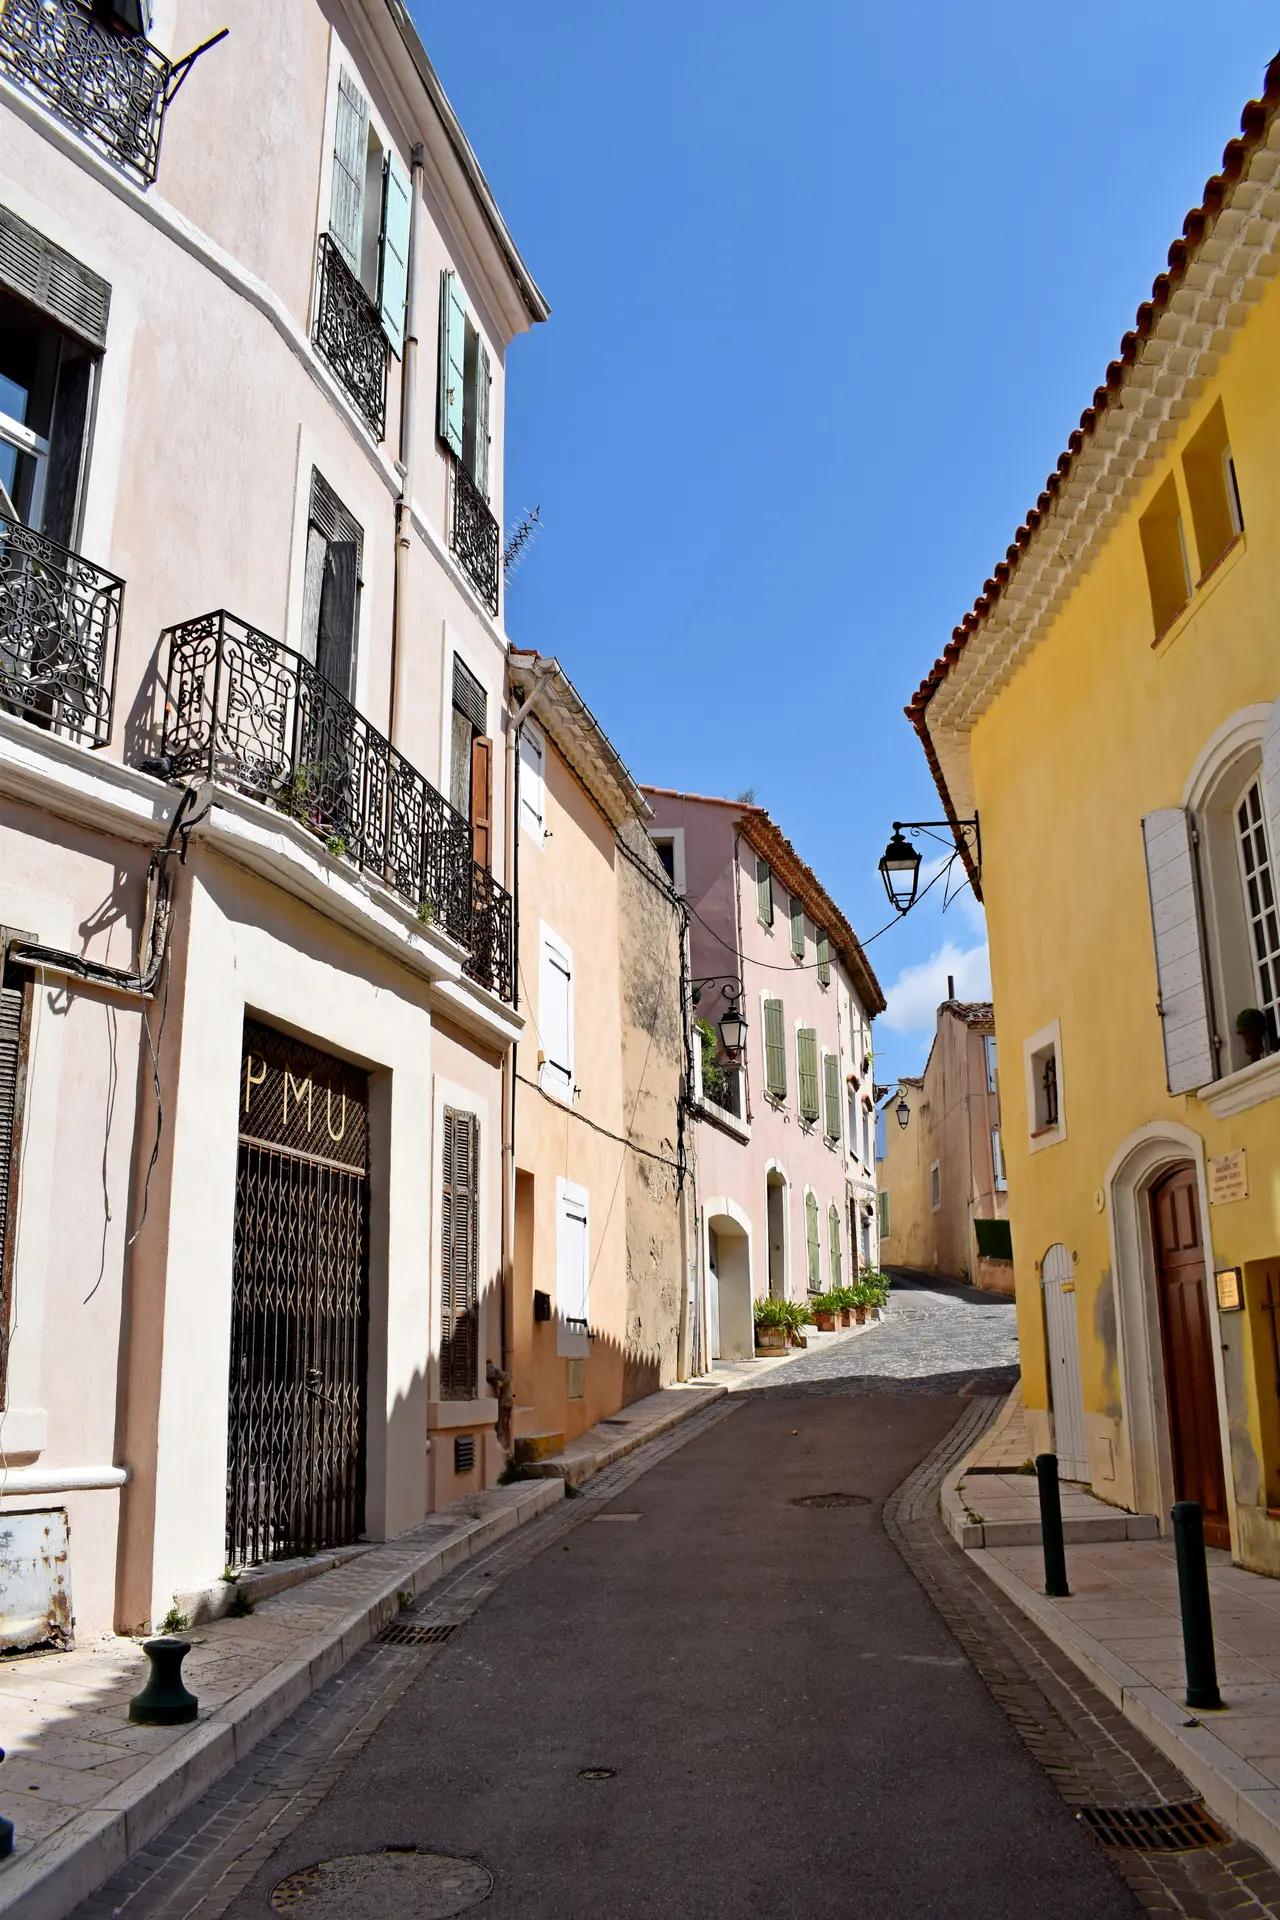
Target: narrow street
(684, 1693)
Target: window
(369, 209)
(460, 1226)
(465, 381)
(46, 387)
(833, 1244)
(1164, 548)
(668, 844)
(935, 1185)
(573, 1271)
(824, 960)
(989, 1049)
(764, 893)
(1256, 878)
(331, 587)
(807, 1072)
(775, 1050)
(1042, 1059)
(797, 928)
(831, 1094)
(471, 761)
(997, 1162)
(533, 782)
(883, 1214)
(1212, 490)
(555, 1016)
(813, 1245)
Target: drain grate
(366, 1886)
(416, 1633)
(1184, 1826)
(832, 1500)
(597, 1773)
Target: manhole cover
(1182, 1827)
(832, 1500)
(414, 1633)
(395, 1883)
(597, 1773)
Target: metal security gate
(300, 1303)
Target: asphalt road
(791, 1728)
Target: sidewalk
(613, 1439)
(733, 1376)
(1122, 1627)
(87, 1790)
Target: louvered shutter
(453, 354)
(812, 1245)
(480, 416)
(831, 1090)
(15, 1017)
(824, 960)
(482, 801)
(797, 928)
(833, 1236)
(533, 786)
(807, 1071)
(393, 266)
(573, 1275)
(459, 1346)
(555, 1016)
(1271, 784)
(1180, 965)
(764, 892)
(775, 1050)
(350, 147)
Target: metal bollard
(1197, 1615)
(1055, 1555)
(164, 1701)
(6, 1830)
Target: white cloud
(918, 991)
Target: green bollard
(1197, 1615)
(164, 1701)
(1055, 1553)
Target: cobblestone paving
(932, 1340)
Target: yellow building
(1109, 710)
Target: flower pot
(1254, 1043)
(846, 1317)
(771, 1339)
(827, 1322)
(859, 1316)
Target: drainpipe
(408, 420)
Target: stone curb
(56, 1874)
(574, 1466)
(1114, 1524)
(1244, 1799)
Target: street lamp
(733, 1029)
(902, 1110)
(900, 871)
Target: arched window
(813, 1244)
(1258, 884)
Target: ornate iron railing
(348, 332)
(247, 711)
(475, 537)
(59, 636)
(109, 85)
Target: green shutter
(453, 351)
(824, 960)
(350, 147)
(833, 1234)
(478, 401)
(807, 1071)
(797, 928)
(831, 1076)
(775, 1050)
(812, 1244)
(764, 892)
(393, 266)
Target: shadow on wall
(144, 722)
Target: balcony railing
(59, 636)
(724, 1091)
(348, 332)
(475, 536)
(246, 711)
(109, 85)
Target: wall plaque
(1230, 1289)
(1228, 1178)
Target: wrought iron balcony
(348, 332)
(475, 536)
(255, 715)
(111, 86)
(59, 636)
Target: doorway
(1058, 1278)
(300, 1303)
(731, 1327)
(1186, 1338)
(775, 1189)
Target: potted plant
(1251, 1025)
(799, 1315)
(826, 1309)
(773, 1325)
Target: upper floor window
(533, 781)
(1042, 1056)
(935, 1186)
(668, 844)
(807, 1072)
(998, 1175)
(1164, 548)
(92, 65)
(555, 1015)
(471, 761)
(775, 1050)
(824, 959)
(1212, 489)
(989, 1052)
(797, 928)
(764, 893)
(831, 1094)
(1257, 878)
(463, 423)
(331, 586)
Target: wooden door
(1186, 1332)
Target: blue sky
(830, 285)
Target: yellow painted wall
(1097, 728)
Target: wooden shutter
(350, 147)
(15, 1032)
(775, 1050)
(797, 928)
(479, 409)
(335, 641)
(393, 261)
(459, 1345)
(482, 801)
(573, 1276)
(812, 1244)
(824, 960)
(1189, 1053)
(555, 1015)
(807, 1071)
(453, 354)
(831, 1090)
(833, 1236)
(533, 781)
(1271, 785)
(764, 892)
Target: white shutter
(573, 1271)
(1271, 783)
(555, 1016)
(533, 781)
(1180, 967)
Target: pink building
(785, 1139)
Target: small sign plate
(1228, 1178)
(1230, 1289)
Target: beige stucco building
(943, 1193)
(255, 1231)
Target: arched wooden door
(1186, 1334)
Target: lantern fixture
(900, 861)
(902, 1111)
(733, 1029)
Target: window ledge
(1247, 1087)
(721, 1117)
(1046, 1137)
(1207, 584)
(444, 1414)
